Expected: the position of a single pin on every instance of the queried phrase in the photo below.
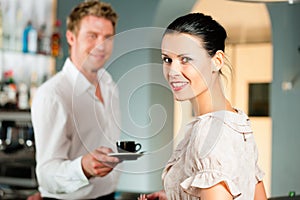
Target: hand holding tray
(127, 156)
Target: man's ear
(218, 60)
(70, 37)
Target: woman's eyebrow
(183, 54)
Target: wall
(285, 107)
(146, 101)
(63, 9)
(252, 63)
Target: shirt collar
(238, 121)
(79, 82)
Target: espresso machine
(17, 160)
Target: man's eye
(167, 60)
(185, 60)
(92, 36)
(109, 37)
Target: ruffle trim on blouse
(237, 121)
(259, 175)
(208, 179)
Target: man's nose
(100, 45)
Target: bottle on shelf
(56, 40)
(23, 100)
(30, 39)
(10, 90)
(19, 27)
(43, 41)
(25, 37)
(6, 24)
(1, 27)
(3, 95)
(33, 86)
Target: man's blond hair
(87, 8)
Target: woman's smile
(186, 65)
(178, 85)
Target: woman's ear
(218, 60)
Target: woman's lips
(178, 85)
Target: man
(75, 114)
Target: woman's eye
(185, 60)
(167, 60)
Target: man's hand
(98, 163)
(35, 196)
(161, 195)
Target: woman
(217, 159)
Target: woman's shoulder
(237, 121)
(205, 134)
(207, 129)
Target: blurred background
(263, 48)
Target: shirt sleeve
(56, 172)
(207, 162)
(259, 173)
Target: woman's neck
(211, 100)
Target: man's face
(92, 45)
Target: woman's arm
(219, 191)
(260, 193)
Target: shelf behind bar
(15, 115)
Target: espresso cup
(128, 146)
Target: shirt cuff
(76, 164)
(78, 179)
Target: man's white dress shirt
(69, 121)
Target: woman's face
(186, 65)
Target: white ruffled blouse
(217, 147)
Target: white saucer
(126, 156)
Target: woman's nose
(174, 69)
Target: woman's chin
(177, 98)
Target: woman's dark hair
(203, 26)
